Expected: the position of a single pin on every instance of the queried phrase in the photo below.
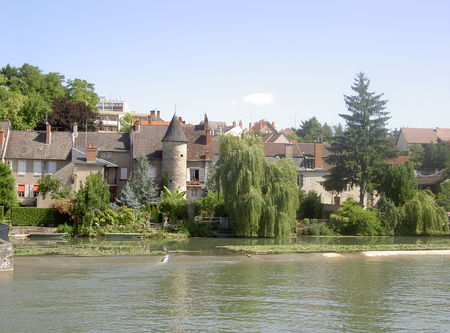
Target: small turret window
(181, 155)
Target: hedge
(40, 217)
(2, 213)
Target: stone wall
(20, 230)
(6, 256)
(174, 165)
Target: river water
(220, 293)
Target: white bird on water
(165, 259)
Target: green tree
(430, 160)
(422, 216)
(311, 206)
(364, 144)
(260, 197)
(140, 190)
(8, 196)
(398, 182)
(312, 130)
(417, 153)
(81, 91)
(443, 197)
(66, 113)
(126, 123)
(91, 198)
(48, 185)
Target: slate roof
(197, 148)
(31, 145)
(79, 157)
(148, 141)
(104, 141)
(175, 131)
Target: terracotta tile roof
(419, 135)
(31, 145)
(399, 159)
(443, 134)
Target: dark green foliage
(312, 130)
(2, 213)
(199, 230)
(260, 197)
(352, 219)
(390, 216)
(430, 160)
(443, 197)
(398, 182)
(8, 196)
(32, 216)
(315, 227)
(48, 185)
(310, 205)
(422, 216)
(417, 153)
(364, 144)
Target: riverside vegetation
(261, 198)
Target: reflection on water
(289, 293)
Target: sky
(284, 61)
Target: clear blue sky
(300, 57)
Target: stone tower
(174, 157)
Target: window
(300, 181)
(22, 169)
(195, 174)
(123, 173)
(21, 190)
(37, 168)
(337, 200)
(51, 167)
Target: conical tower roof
(174, 132)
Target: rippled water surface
(287, 293)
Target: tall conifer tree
(364, 144)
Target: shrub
(48, 185)
(317, 229)
(390, 216)
(310, 205)
(352, 219)
(212, 204)
(66, 228)
(174, 205)
(199, 230)
(32, 216)
(2, 213)
(8, 196)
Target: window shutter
(188, 174)
(123, 173)
(202, 175)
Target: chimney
(2, 137)
(48, 133)
(207, 130)
(249, 126)
(158, 114)
(273, 124)
(152, 113)
(288, 150)
(91, 153)
(240, 123)
(180, 119)
(234, 123)
(318, 154)
(137, 126)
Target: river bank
(235, 246)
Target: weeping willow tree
(260, 197)
(423, 216)
(281, 199)
(241, 175)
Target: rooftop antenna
(175, 109)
